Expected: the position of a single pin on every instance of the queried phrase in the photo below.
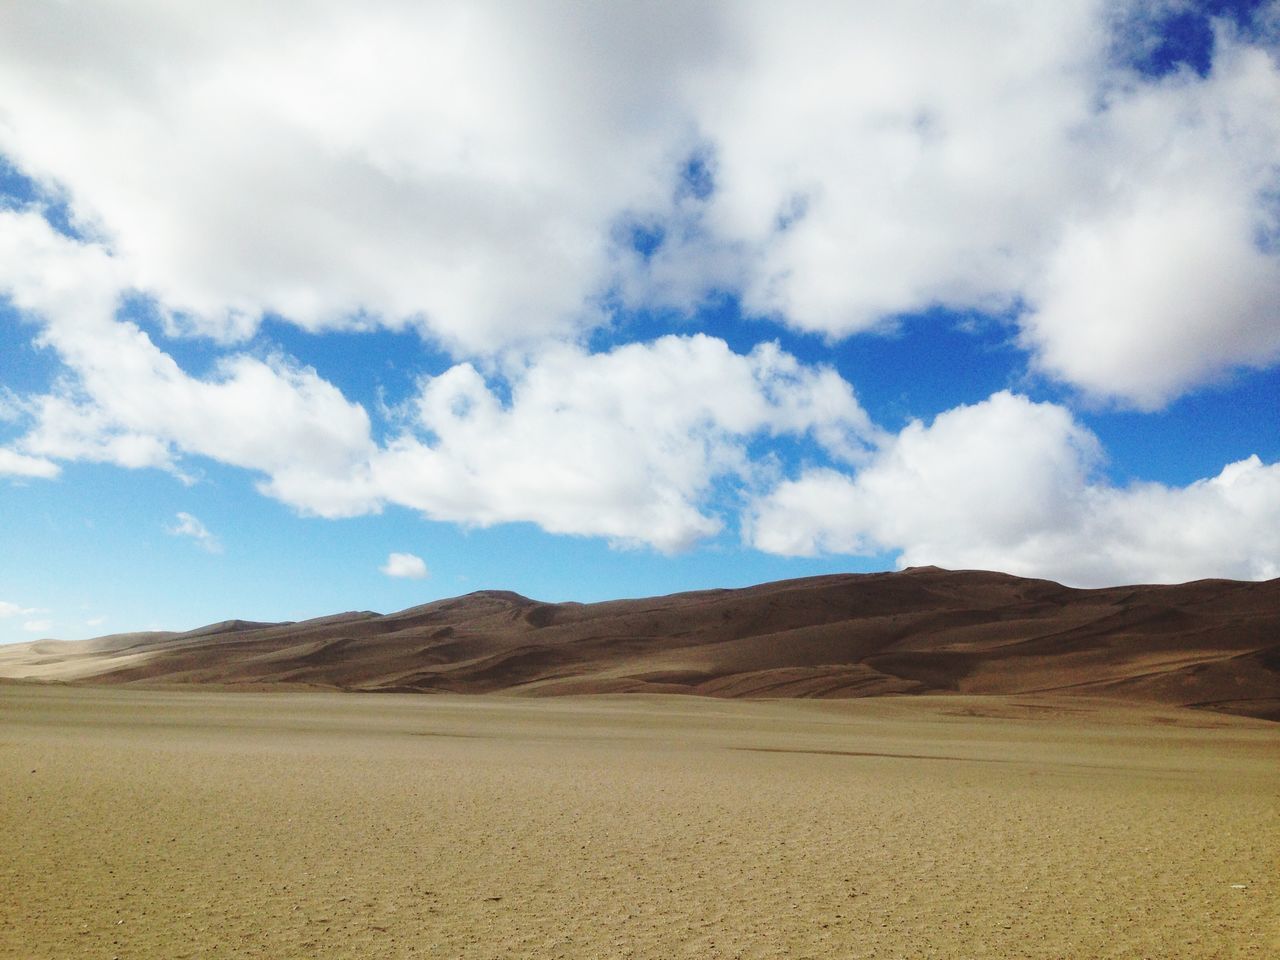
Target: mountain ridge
(1213, 644)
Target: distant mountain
(1213, 644)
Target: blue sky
(366, 308)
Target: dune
(1211, 644)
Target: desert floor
(217, 824)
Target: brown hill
(1212, 644)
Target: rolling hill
(1213, 644)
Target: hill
(1213, 644)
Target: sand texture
(1213, 644)
(190, 823)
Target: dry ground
(211, 824)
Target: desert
(184, 824)
(197, 817)
(700, 480)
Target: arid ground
(199, 823)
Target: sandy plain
(200, 823)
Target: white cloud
(869, 166)
(625, 444)
(1167, 278)
(468, 169)
(95, 621)
(405, 565)
(463, 167)
(874, 166)
(628, 444)
(8, 609)
(189, 526)
(453, 165)
(927, 170)
(11, 406)
(129, 403)
(1009, 484)
(14, 464)
(38, 626)
(1132, 229)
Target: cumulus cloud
(190, 526)
(625, 444)
(465, 169)
(481, 173)
(1171, 275)
(1010, 484)
(14, 464)
(130, 403)
(8, 609)
(871, 168)
(38, 626)
(453, 166)
(406, 565)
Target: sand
(196, 823)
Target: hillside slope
(1212, 643)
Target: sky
(310, 307)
